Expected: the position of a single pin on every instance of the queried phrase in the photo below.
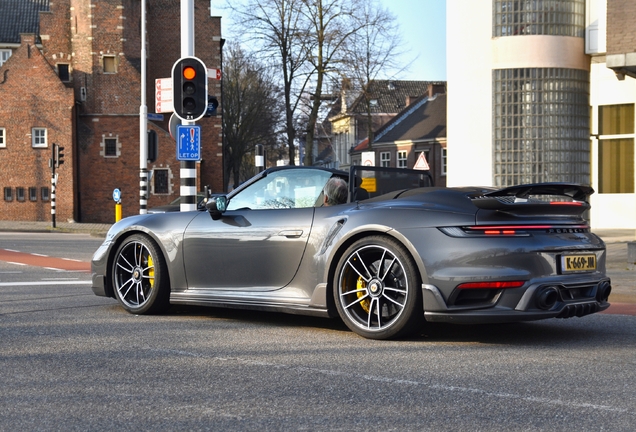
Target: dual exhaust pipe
(548, 296)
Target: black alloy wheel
(140, 277)
(377, 289)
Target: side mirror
(217, 205)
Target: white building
(531, 99)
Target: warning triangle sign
(421, 163)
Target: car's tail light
(511, 230)
(571, 203)
(491, 285)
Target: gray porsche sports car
(398, 253)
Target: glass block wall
(541, 115)
(539, 17)
(540, 126)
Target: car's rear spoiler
(521, 199)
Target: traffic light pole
(188, 173)
(143, 122)
(57, 159)
(53, 184)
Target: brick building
(70, 75)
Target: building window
(3, 137)
(33, 194)
(385, 159)
(38, 137)
(63, 72)
(161, 183)
(8, 194)
(110, 147)
(540, 126)
(44, 193)
(19, 194)
(401, 159)
(616, 166)
(110, 65)
(616, 148)
(552, 18)
(616, 119)
(4, 55)
(342, 148)
(444, 161)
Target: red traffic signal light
(189, 72)
(189, 88)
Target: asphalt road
(70, 360)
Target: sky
(423, 27)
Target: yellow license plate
(577, 263)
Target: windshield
(294, 188)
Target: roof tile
(20, 16)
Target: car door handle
(291, 233)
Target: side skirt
(232, 303)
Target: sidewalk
(98, 230)
(623, 275)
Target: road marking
(38, 260)
(48, 282)
(439, 387)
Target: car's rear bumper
(525, 309)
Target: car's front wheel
(140, 278)
(376, 289)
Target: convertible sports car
(398, 253)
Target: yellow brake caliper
(360, 286)
(151, 271)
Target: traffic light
(59, 156)
(153, 149)
(190, 88)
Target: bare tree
(278, 30)
(371, 53)
(250, 112)
(310, 40)
(332, 23)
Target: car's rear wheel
(140, 278)
(376, 289)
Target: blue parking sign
(188, 143)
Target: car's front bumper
(99, 286)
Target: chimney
(434, 89)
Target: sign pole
(188, 173)
(259, 158)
